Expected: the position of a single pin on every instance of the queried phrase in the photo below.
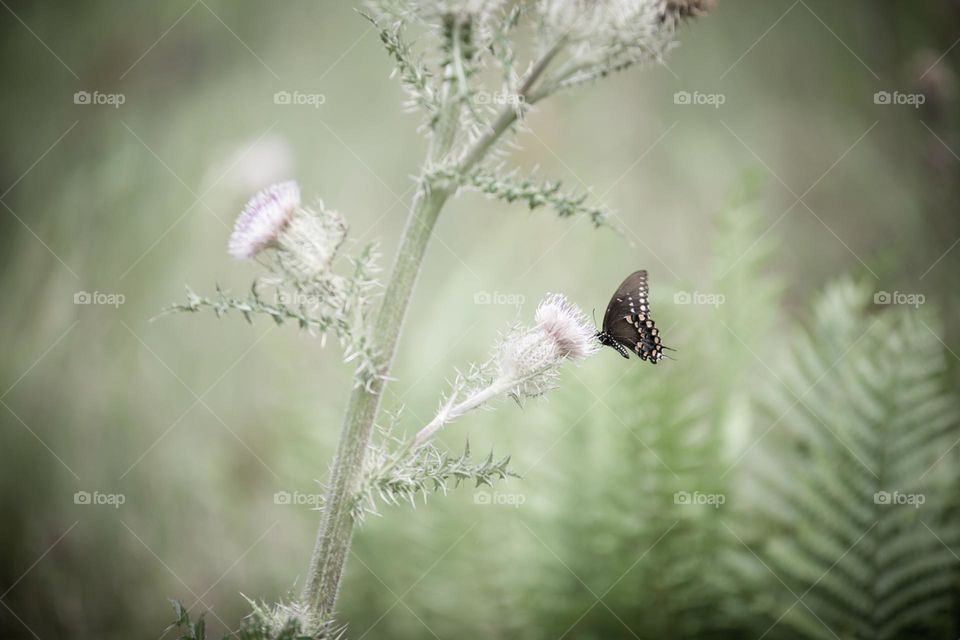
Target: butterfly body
(627, 325)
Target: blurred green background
(794, 203)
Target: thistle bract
(310, 241)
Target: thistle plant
(470, 122)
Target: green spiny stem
(336, 528)
(333, 539)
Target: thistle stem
(333, 539)
(336, 528)
(451, 413)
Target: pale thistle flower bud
(601, 22)
(262, 220)
(525, 364)
(567, 326)
(306, 239)
(310, 241)
(605, 36)
(531, 357)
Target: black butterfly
(627, 325)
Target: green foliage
(642, 548)
(396, 473)
(325, 303)
(414, 74)
(188, 630)
(511, 188)
(279, 622)
(254, 304)
(631, 541)
(854, 508)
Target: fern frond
(854, 469)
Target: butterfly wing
(627, 319)
(626, 296)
